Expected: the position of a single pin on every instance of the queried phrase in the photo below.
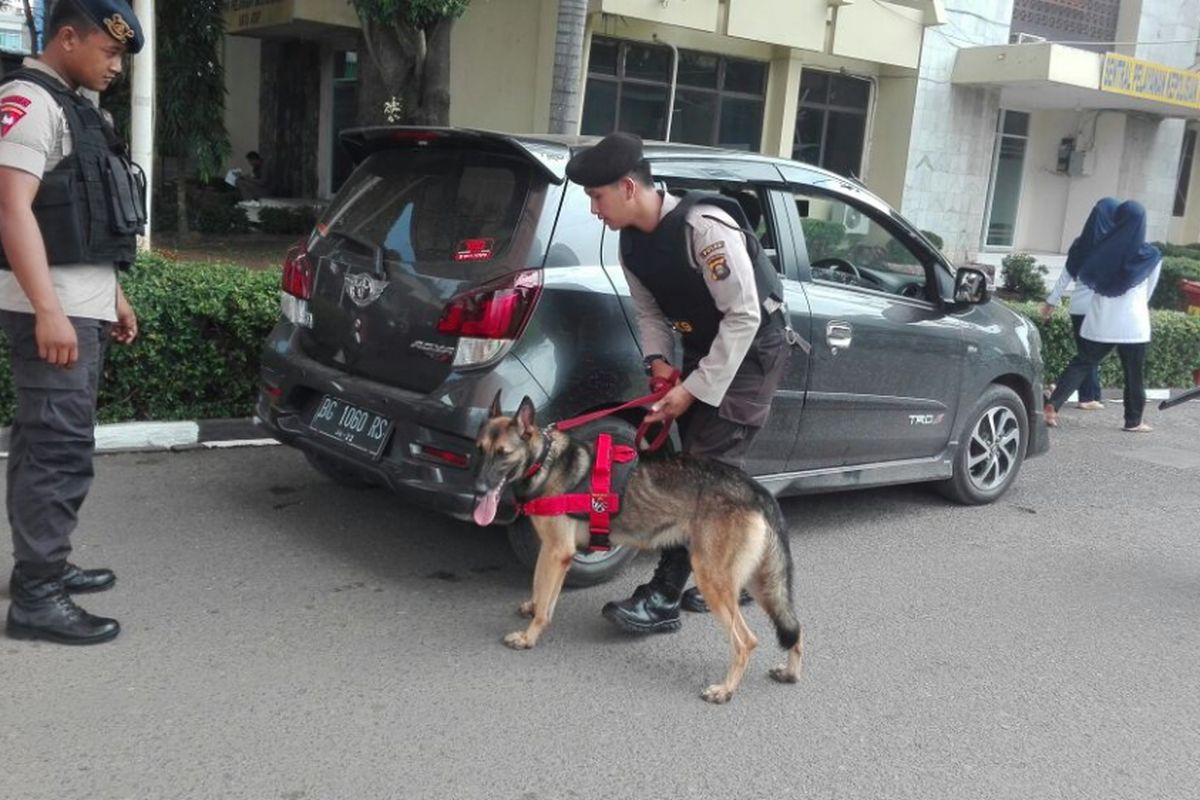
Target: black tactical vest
(92, 206)
(662, 261)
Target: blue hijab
(1111, 255)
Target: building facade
(995, 124)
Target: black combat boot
(654, 606)
(40, 608)
(78, 580)
(694, 601)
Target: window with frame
(718, 100)
(12, 41)
(1184, 178)
(831, 121)
(847, 247)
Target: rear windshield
(432, 205)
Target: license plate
(361, 429)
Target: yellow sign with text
(244, 15)
(1150, 81)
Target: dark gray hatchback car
(455, 263)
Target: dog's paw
(526, 609)
(783, 674)
(517, 640)
(716, 694)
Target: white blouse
(1081, 296)
(1124, 319)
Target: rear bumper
(446, 419)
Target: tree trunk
(181, 206)
(31, 23)
(566, 101)
(405, 78)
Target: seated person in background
(252, 186)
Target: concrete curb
(122, 437)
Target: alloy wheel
(994, 448)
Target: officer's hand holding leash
(677, 401)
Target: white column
(142, 105)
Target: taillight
(498, 310)
(297, 286)
(489, 319)
(298, 272)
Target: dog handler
(691, 268)
(71, 205)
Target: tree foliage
(406, 77)
(191, 84)
(417, 13)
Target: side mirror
(970, 286)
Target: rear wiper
(375, 250)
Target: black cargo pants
(52, 441)
(726, 433)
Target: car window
(433, 205)
(752, 199)
(849, 247)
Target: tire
(588, 569)
(991, 448)
(342, 476)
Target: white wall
(242, 59)
(953, 132)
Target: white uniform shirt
(718, 252)
(1081, 296)
(1124, 319)
(34, 138)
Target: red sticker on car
(12, 110)
(474, 250)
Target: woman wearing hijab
(1122, 271)
(1099, 223)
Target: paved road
(287, 639)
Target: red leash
(658, 390)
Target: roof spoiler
(550, 159)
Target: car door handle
(838, 333)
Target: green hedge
(1168, 295)
(196, 356)
(1174, 347)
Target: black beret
(609, 160)
(117, 19)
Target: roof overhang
(293, 19)
(1053, 76)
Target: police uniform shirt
(34, 138)
(718, 252)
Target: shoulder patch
(718, 268)
(712, 248)
(12, 110)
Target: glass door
(1008, 164)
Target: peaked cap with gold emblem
(116, 18)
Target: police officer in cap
(693, 267)
(71, 206)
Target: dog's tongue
(485, 509)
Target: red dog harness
(600, 504)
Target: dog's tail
(774, 574)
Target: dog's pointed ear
(525, 419)
(494, 411)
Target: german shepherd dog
(733, 528)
